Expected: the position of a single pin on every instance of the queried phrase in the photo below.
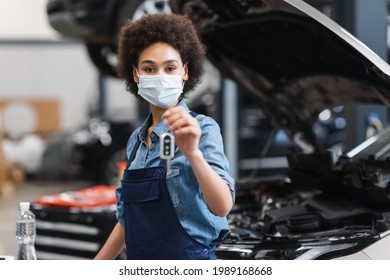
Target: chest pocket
(143, 208)
(140, 191)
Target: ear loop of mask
(136, 71)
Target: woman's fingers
(177, 118)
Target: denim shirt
(190, 207)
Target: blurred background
(65, 119)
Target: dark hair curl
(175, 30)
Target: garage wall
(49, 71)
(62, 72)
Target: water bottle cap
(24, 206)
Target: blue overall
(152, 228)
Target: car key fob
(167, 148)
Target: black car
(97, 23)
(296, 63)
(293, 63)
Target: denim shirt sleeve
(211, 145)
(194, 214)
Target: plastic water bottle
(26, 232)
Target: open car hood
(292, 58)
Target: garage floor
(27, 191)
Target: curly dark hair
(175, 30)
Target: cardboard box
(45, 114)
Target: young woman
(176, 209)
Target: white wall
(55, 71)
(24, 19)
(35, 62)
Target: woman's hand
(185, 128)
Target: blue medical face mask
(160, 90)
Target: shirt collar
(160, 128)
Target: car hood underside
(290, 57)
